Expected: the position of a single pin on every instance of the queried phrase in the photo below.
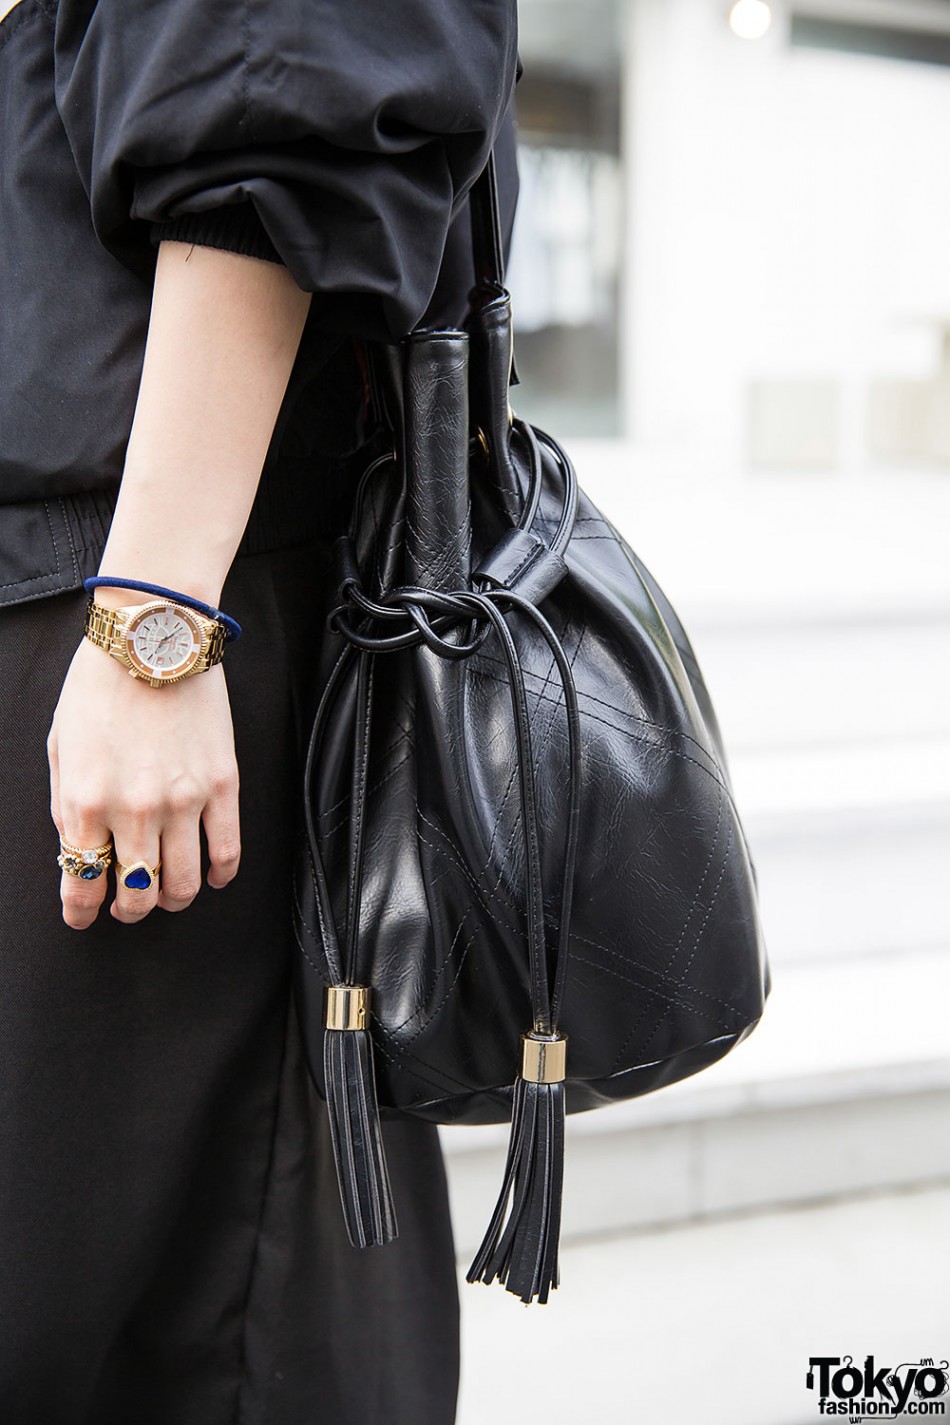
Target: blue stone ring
(86, 863)
(137, 875)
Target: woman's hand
(146, 766)
(143, 767)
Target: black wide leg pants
(171, 1244)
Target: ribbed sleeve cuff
(235, 227)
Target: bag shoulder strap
(486, 228)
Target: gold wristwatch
(160, 641)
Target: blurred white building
(736, 247)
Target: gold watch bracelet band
(106, 629)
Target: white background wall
(789, 217)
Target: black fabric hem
(234, 227)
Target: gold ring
(137, 875)
(88, 863)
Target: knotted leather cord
(361, 746)
(426, 617)
(324, 909)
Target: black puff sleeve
(353, 127)
(235, 227)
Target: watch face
(163, 642)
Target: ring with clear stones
(86, 863)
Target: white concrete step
(847, 681)
(732, 546)
(852, 883)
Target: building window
(566, 255)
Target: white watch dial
(164, 643)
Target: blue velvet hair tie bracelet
(232, 629)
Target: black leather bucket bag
(524, 888)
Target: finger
(180, 878)
(137, 854)
(54, 804)
(222, 826)
(82, 895)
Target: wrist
(109, 597)
(192, 555)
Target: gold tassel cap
(347, 1007)
(543, 1061)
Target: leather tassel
(522, 1252)
(355, 1131)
